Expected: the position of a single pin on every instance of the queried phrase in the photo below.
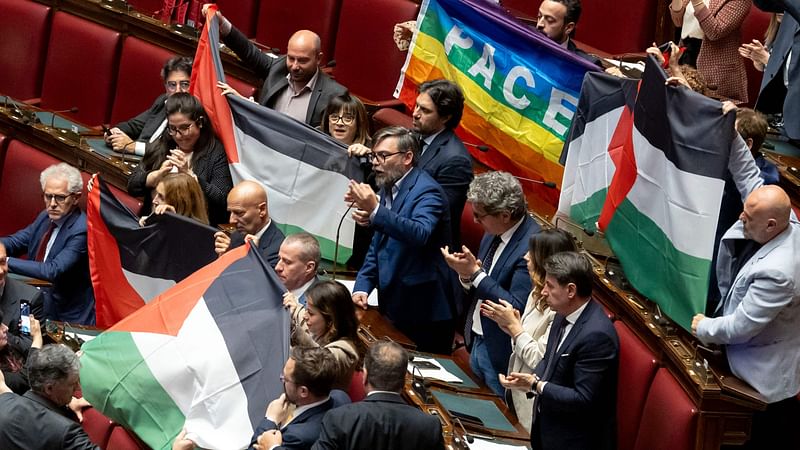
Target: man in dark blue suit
(575, 384)
(499, 271)
(437, 113)
(249, 212)
(780, 91)
(293, 420)
(411, 223)
(56, 247)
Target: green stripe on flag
(677, 282)
(588, 211)
(326, 246)
(114, 376)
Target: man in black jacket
(12, 293)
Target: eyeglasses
(381, 156)
(60, 199)
(346, 119)
(172, 86)
(179, 130)
(285, 379)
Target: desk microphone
(73, 110)
(480, 147)
(485, 148)
(330, 64)
(419, 387)
(467, 436)
(336, 243)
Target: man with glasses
(499, 273)
(411, 221)
(133, 135)
(294, 84)
(56, 247)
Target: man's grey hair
(498, 192)
(63, 171)
(309, 246)
(51, 364)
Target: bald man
(293, 83)
(247, 205)
(757, 321)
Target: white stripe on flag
(147, 287)
(588, 168)
(196, 370)
(297, 192)
(684, 205)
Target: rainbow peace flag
(521, 88)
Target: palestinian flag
(130, 264)
(305, 171)
(645, 164)
(207, 354)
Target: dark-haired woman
(329, 320)
(188, 145)
(12, 362)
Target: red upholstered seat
(365, 41)
(139, 79)
(25, 26)
(669, 418)
(244, 88)
(122, 439)
(20, 190)
(242, 14)
(386, 117)
(81, 68)
(471, 232)
(637, 367)
(277, 21)
(356, 390)
(601, 24)
(97, 426)
(754, 27)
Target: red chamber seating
(20, 191)
(242, 87)
(97, 426)
(471, 232)
(386, 117)
(71, 79)
(669, 418)
(278, 20)
(637, 367)
(356, 390)
(367, 59)
(25, 26)
(139, 80)
(754, 27)
(243, 14)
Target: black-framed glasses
(346, 119)
(60, 199)
(285, 379)
(172, 86)
(381, 156)
(179, 130)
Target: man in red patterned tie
(56, 247)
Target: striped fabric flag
(130, 264)
(205, 355)
(305, 171)
(647, 169)
(521, 88)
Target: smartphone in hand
(25, 317)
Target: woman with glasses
(133, 135)
(347, 120)
(12, 362)
(328, 320)
(529, 331)
(188, 145)
(179, 193)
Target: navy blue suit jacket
(772, 92)
(449, 163)
(404, 262)
(303, 430)
(143, 126)
(269, 244)
(510, 281)
(578, 404)
(71, 298)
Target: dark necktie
(43, 243)
(551, 358)
(487, 266)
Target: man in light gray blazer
(758, 317)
